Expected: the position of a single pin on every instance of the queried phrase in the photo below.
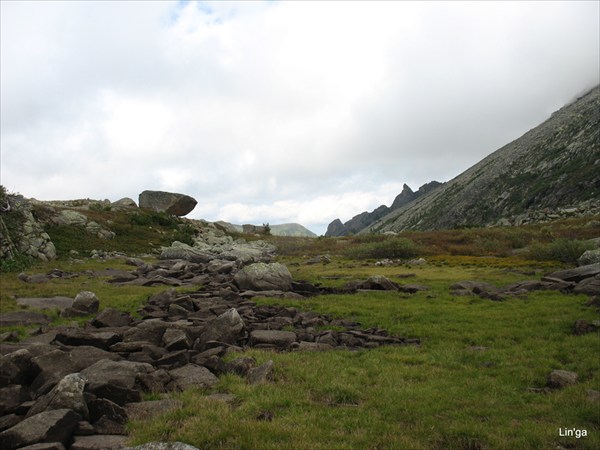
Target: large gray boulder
(589, 257)
(86, 302)
(228, 328)
(169, 202)
(264, 277)
(191, 375)
(67, 394)
(49, 426)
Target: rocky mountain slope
(553, 168)
(364, 219)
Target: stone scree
(75, 388)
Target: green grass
(125, 298)
(465, 386)
(444, 394)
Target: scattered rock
(67, 394)
(57, 302)
(378, 283)
(48, 426)
(582, 326)
(592, 395)
(227, 328)
(272, 338)
(149, 409)
(23, 318)
(179, 250)
(177, 345)
(85, 303)
(589, 286)
(191, 375)
(264, 277)
(578, 274)
(417, 262)
(162, 446)
(559, 379)
(589, 257)
(111, 317)
(320, 259)
(261, 374)
(99, 442)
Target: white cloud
(277, 111)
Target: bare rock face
(169, 202)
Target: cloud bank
(277, 111)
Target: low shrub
(18, 263)
(185, 234)
(562, 249)
(393, 248)
(151, 218)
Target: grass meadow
(466, 386)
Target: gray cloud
(277, 112)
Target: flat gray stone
(57, 302)
(23, 318)
(99, 442)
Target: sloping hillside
(555, 165)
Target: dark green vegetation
(465, 387)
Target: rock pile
(581, 280)
(71, 387)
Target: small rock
(582, 326)
(261, 374)
(559, 379)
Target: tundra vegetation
(476, 381)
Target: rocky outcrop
(213, 244)
(70, 217)
(336, 228)
(552, 169)
(21, 233)
(169, 202)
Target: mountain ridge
(364, 219)
(552, 166)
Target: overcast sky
(277, 111)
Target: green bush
(564, 250)
(393, 248)
(100, 206)
(18, 263)
(185, 233)
(154, 218)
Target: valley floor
(477, 380)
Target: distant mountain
(291, 229)
(552, 168)
(285, 229)
(365, 219)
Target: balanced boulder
(169, 202)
